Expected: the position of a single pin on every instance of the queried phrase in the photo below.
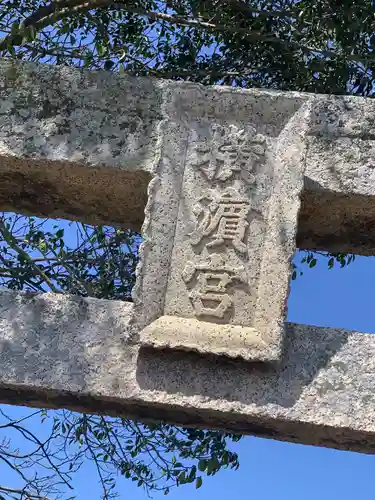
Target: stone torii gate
(225, 184)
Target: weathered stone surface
(234, 237)
(338, 205)
(60, 128)
(59, 341)
(159, 226)
(57, 121)
(61, 351)
(172, 332)
(219, 173)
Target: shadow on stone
(307, 350)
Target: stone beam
(61, 128)
(68, 352)
(60, 131)
(337, 212)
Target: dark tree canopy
(314, 46)
(319, 46)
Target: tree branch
(61, 9)
(23, 493)
(9, 238)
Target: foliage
(310, 259)
(67, 257)
(315, 46)
(320, 46)
(100, 262)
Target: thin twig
(12, 242)
(24, 493)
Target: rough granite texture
(55, 122)
(234, 237)
(218, 178)
(61, 127)
(171, 332)
(338, 207)
(59, 351)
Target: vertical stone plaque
(235, 226)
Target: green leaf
(42, 246)
(15, 28)
(193, 472)
(212, 466)
(31, 33)
(123, 56)
(202, 465)
(102, 50)
(198, 482)
(182, 478)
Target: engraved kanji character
(229, 151)
(225, 219)
(209, 296)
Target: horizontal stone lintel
(84, 145)
(68, 352)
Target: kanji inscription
(242, 162)
(221, 216)
(231, 150)
(224, 217)
(213, 276)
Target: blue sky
(272, 470)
